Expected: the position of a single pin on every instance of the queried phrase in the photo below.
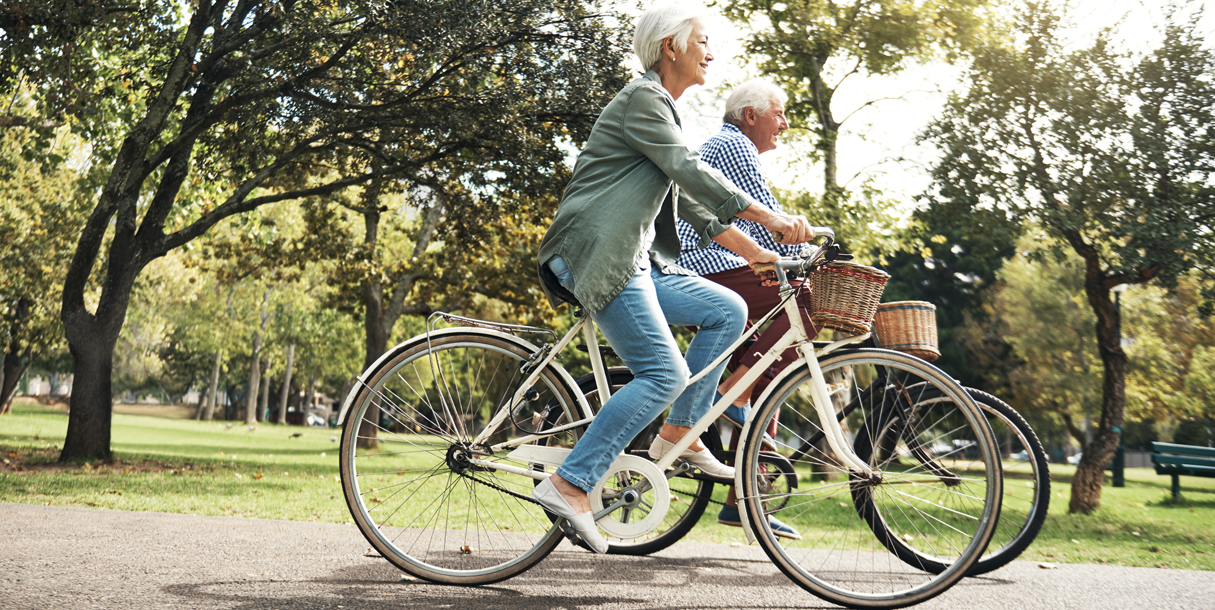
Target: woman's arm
(649, 127)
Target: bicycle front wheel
(415, 482)
(938, 487)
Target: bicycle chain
(502, 489)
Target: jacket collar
(653, 76)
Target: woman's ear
(668, 45)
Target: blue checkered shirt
(735, 156)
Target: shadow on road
(571, 579)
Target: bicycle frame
(796, 337)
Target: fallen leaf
(1047, 566)
(736, 544)
(466, 550)
(257, 476)
(376, 500)
(1134, 533)
(1076, 541)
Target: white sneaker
(704, 459)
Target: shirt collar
(732, 129)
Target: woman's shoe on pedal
(729, 516)
(584, 523)
(704, 459)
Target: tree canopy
(1111, 153)
(206, 111)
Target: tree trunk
(11, 379)
(255, 375)
(212, 390)
(15, 362)
(309, 395)
(91, 406)
(202, 404)
(282, 402)
(263, 407)
(1090, 474)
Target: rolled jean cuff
(681, 422)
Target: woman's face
(693, 64)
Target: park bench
(1176, 460)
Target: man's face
(767, 127)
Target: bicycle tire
(405, 452)
(839, 559)
(1021, 514)
(689, 497)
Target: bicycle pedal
(571, 534)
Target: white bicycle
(446, 435)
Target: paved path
(70, 558)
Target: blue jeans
(637, 326)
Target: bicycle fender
(361, 380)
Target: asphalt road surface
(56, 557)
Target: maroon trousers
(760, 300)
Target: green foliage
(811, 49)
(955, 271)
(40, 214)
(1110, 153)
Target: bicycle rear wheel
(407, 457)
(939, 487)
(1026, 487)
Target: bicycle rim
(939, 488)
(406, 458)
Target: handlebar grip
(762, 268)
(815, 233)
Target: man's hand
(790, 230)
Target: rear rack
(514, 329)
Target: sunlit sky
(878, 142)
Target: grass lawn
(209, 468)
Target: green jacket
(635, 172)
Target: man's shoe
(729, 516)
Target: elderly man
(754, 119)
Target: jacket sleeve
(708, 200)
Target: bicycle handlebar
(799, 264)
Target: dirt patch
(166, 411)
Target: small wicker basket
(844, 296)
(908, 326)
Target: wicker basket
(908, 326)
(844, 296)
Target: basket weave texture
(844, 296)
(908, 326)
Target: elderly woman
(612, 247)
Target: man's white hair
(756, 93)
(674, 19)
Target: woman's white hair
(756, 93)
(674, 19)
